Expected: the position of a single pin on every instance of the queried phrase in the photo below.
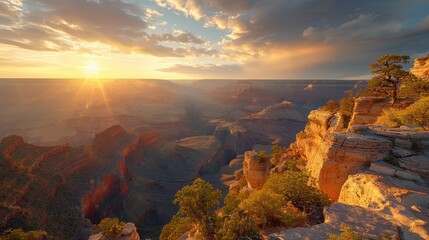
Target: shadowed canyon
(77, 151)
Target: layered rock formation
(332, 155)
(348, 166)
(255, 170)
(421, 68)
(368, 109)
(404, 203)
(276, 124)
(129, 232)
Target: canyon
(126, 156)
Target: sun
(92, 69)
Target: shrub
(276, 153)
(267, 208)
(294, 187)
(197, 203)
(19, 234)
(237, 225)
(414, 87)
(111, 228)
(416, 114)
(331, 106)
(346, 107)
(176, 228)
(346, 234)
(262, 156)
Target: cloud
(179, 37)
(203, 69)
(356, 32)
(60, 25)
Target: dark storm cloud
(358, 31)
(55, 24)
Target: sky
(207, 39)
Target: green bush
(267, 208)
(111, 228)
(331, 106)
(417, 114)
(19, 234)
(237, 225)
(414, 87)
(197, 203)
(294, 186)
(176, 228)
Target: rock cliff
(255, 170)
(354, 167)
(421, 68)
(361, 220)
(404, 203)
(368, 109)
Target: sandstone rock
(368, 109)
(383, 168)
(393, 198)
(400, 152)
(129, 232)
(418, 164)
(332, 156)
(403, 143)
(390, 170)
(255, 170)
(421, 68)
(363, 221)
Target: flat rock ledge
(361, 220)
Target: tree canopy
(388, 74)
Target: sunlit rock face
(332, 155)
(361, 220)
(368, 109)
(255, 170)
(403, 202)
(421, 68)
(128, 233)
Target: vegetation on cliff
(417, 114)
(285, 201)
(390, 80)
(19, 234)
(111, 228)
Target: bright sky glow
(193, 39)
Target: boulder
(365, 222)
(402, 202)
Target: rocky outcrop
(276, 124)
(332, 155)
(129, 232)
(337, 216)
(421, 68)
(255, 170)
(368, 109)
(404, 203)
(110, 140)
